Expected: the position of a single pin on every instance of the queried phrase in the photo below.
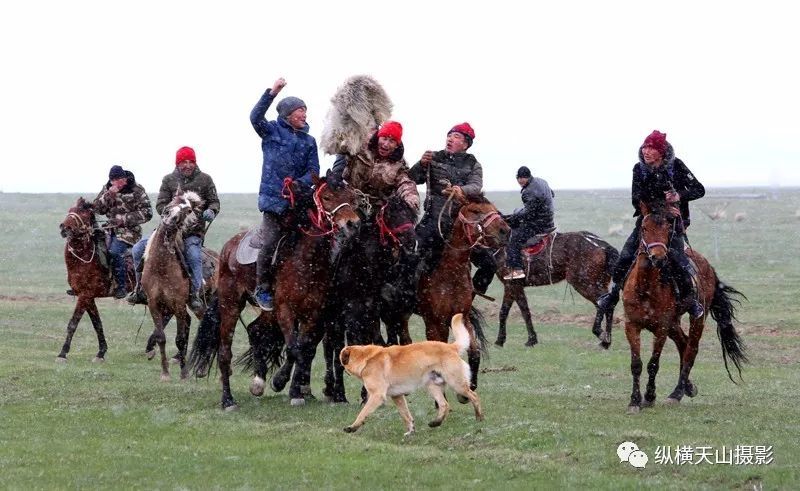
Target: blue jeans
(117, 250)
(192, 249)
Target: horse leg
(680, 339)
(687, 361)
(605, 336)
(257, 336)
(505, 308)
(94, 315)
(227, 329)
(150, 347)
(522, 301)
(72, 326)
(333, 343)
(306, 348)
(633, 333)
(652, 369)
(184, 321)
(473, 358)
(160, 339)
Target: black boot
(137, 296)
(608, 300)
(195, 302)
(690, 297)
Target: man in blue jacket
(289, 151)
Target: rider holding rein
(659, 179)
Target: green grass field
(555, 414)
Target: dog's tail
(460, 333)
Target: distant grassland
(554, 413)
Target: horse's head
(79, 220)
(336, 206)
(482, 222)
(656, 232)
(182, 211)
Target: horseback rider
(188, 177)
(290, 152)
(125, 204)
(660, 178)
(535, 218)
(450, 173)
(379, 172)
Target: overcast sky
(568, 88)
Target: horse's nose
(503, 234)
(63, 230)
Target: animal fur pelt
(359, 106)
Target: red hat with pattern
(391, 129)
(466, 130)
(185, 153)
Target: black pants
(271, 231)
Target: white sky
(569, 88)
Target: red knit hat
(656, 140)
(391, 129)
(466, 130)
(185, 153)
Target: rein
(84, 235)
(479, 228)
(390, 233)
(322, 219)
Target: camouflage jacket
(131, 204)
(199, 183)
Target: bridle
(647, 247)
(323, 219)
(479, 226)
(387, 232)
(83, 233)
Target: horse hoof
(647, 403)
(634, 409)
(257, 386)
(98, 359)
(604, 345)
(150, 354)
(671, 401)
(691, 389)
(201, 373)
(462, 399)
(530, 343)
(230, 409)
(165, 377)
(61, 359)
(499, 343)
(298, 401)
(175, 360)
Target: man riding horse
(187, 177)
(450, 174)
(660, 179)
(127, 207)
(535, 218)
(290, 155)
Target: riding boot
(691, 299)
(404, 287)
(608, 300)
(195, 302)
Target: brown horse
(650, 303)
(584, 260)
(164, 279)
(447, 290)
(302, 279)
(87, 277)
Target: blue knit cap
(116, 172)
(288, 105)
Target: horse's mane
(478, 199)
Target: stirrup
(264, 300)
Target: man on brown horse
(449, 173)
(126, 205)
(379, 172)
(660, 178)
(188, 177)
(290, 155)
(535, 218)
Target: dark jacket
(287, 153)
(131, 203)
(198, 182)
(537, 215)
(649, 185)
(459, 169)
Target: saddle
(250, 246)
(539, 242)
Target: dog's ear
(344, 356)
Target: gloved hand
(209, 215)
(116, 221)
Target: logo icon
(629, 452)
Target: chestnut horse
(165, 281)
(87, 277)
(583, 259)
(447, 290)
(650, 303)
(302, 278)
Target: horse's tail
(723, 311)
(206, 341)
(266, 345)
(477, 320)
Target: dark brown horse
(584, 260)
(650, 303)
(302, 278)
(87, 276)
(164, 279)
(448, 290)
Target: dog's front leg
(373, 402)
(402, 406)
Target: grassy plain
(555, 413)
